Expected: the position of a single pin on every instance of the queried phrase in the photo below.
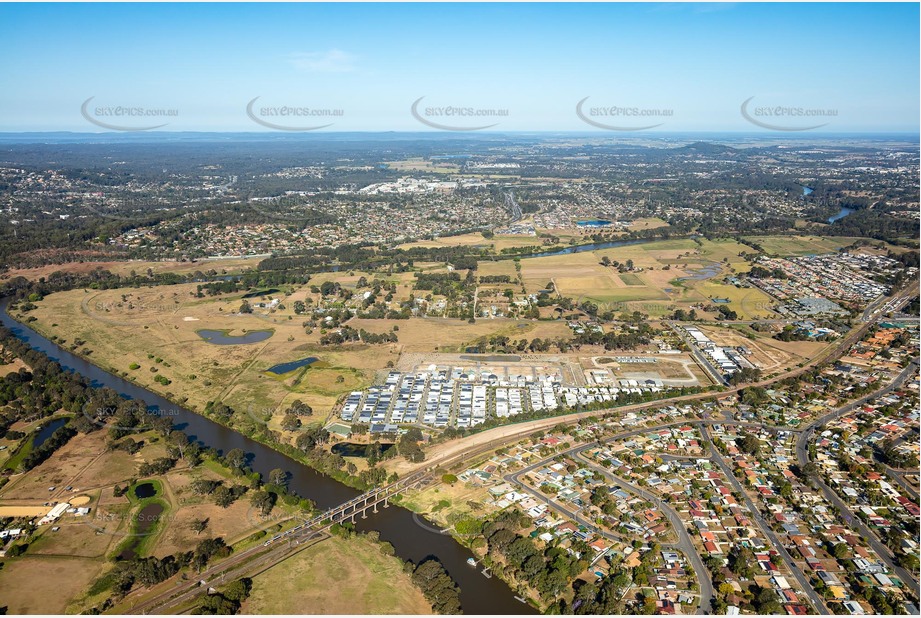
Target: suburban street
(685, 544)
(802, 456)
(816, 600)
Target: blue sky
(697, 62)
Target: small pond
(144, 521)
(261, 293)
(45, 432)
(593, 223)
(291, 365)
(701, 274)
(145, 490)
(351, 449)
(222, 337)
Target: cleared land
(337, 576)
(767, 353)
(44, 584)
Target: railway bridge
(358, 505)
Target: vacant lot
(767, 353)
(44, 584)
(337, 576)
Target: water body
(700, 274)
(806, 191)
(145, 490)
(221, 337)
(410, 540)
(291, 365)
(582, 248)
(351, 449)
(841, 214)
(45, 432)
(146, 518)
(261, 293)
(593, 223)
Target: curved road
(685, 544)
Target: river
(398, 526)
(841, 214)
(580, 248)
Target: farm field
(337, 576)
(163, 323)
(669, 275)
(44, 584)
(150, 335)
(156, 329)
(475, 239)
(89, 542)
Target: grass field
(44, 584)
(85, 543)
(475, 239)
(337, 576)
(229, 265)
(654, 288)
(801, 245)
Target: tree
(223, 497)
(199, 525)
(291, 422)
(235, 458)
(239, 590)
(299, 408)
(245, 307)
(264, 501)
(437, 586)
(750, 444)
(278, 477)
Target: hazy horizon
(594, 68)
